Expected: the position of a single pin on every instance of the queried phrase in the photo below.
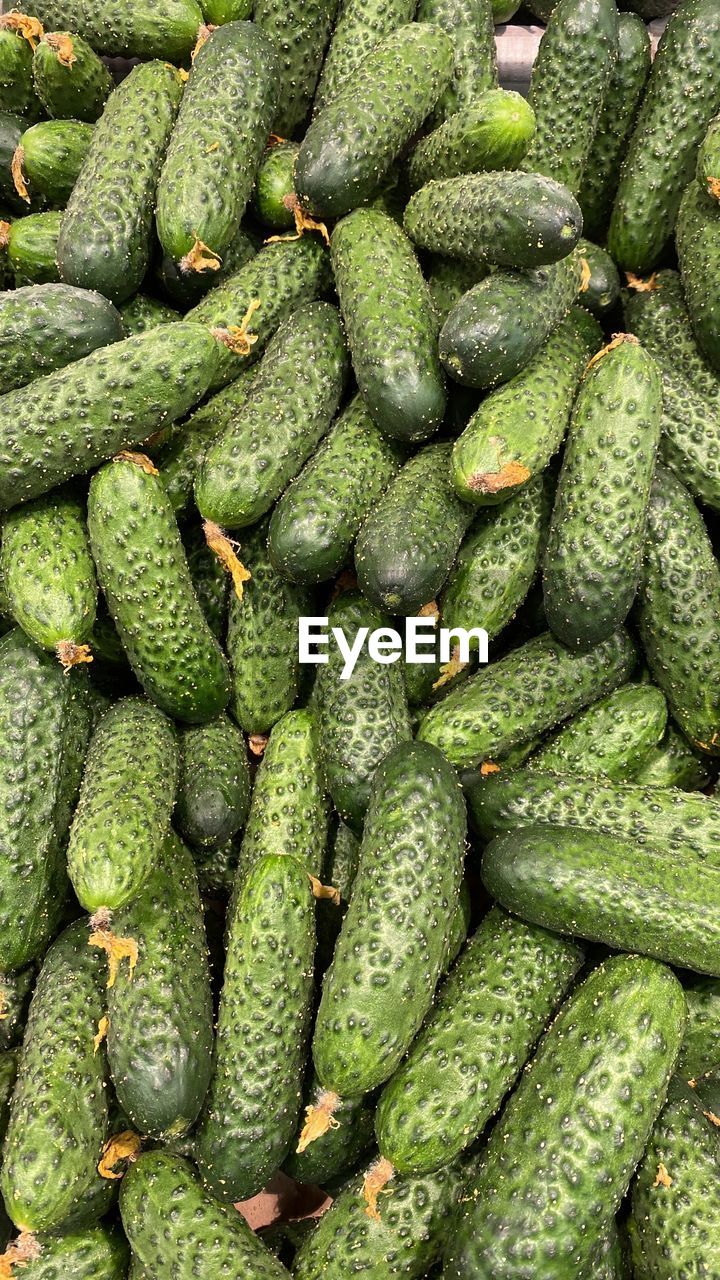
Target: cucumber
(200, 1228)
(353, 142)
(360, 718)
(254, 1099)
(170, 647)
(339, 870)
(167, 29)
(674, 763)
(105, 238)
(216, 145)
(361, 26)
(59, 1113)
(49, 158)
(342, 1148)
(407, 546)
(682, 96)
(32, 247)
(15, 992)
(416, 818)
(90, 1253)
(601, 291)
(217, 12)
(658, 316)
(142, 313)
(492, 132)
(17, 92)
(614, 126)
(46, 327)
(12, 128)
(245, 469)
(518, 427)
(495, 330)
(448, 279)
(396, 366)
(48, 573)
(209, 577)
(300, 29)
(70, 80)
(697, 239)
(521, 220)
(272, 198)
(213, 795)
(262, 640)
(612, 739)
(701, 1046)
(679, 611)
(470, 26)
(708, 166)
(497, 1000)
(45, 724)
(179, 458)
(525, 693)
(184, 288)
(8, 1076)
(504, 10)
(569, 85)
(595, 545)
(565, 1148)
(216, 869)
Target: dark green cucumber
(518, 427)
(178, 460)
(184, 288)
(216, 869)
(682, 96)
(504, 10)
(300, 30)
(559, 1161)
(247, 467)
(365, 1025)
(15, 992)
(89, 1253)
(595, 545)
(32, 247)
(17, 92)
(697, 239)
(46, 327)
(49, 158)
(470, 26)
(213, 796)
(674, 763)
(521, 220)
(701, 1046)
(493, 132)
(679, 612)
(569, 85)
(209, 577)
(70, 80)
(12, 128)
(8, 1075)
(497, 328)
(612, 738)
(708, 166)
(448, 279)
(525, 693)
(601, 290)
(407, 546)
(396, 364)
(274, 188)
(106, 233)
(353, 142)
(143, 312)
(361, 26)
(217, 12)
(59, 1113)
(614, 125)
(166, 29)
(140, 559)
(342, 1148)
(339, 870)
(361, 717)
(200, 1228)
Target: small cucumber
(46, 327)
(708, 168)
(470, 26)
(612, 738)
(17, 92)
(32, 247)
(213, 795)
(601, 290)
(48, 159)
(15, 992)
(342, 1148)
(142, 313)
(701, 1046)
(70, 80)
(89, 1253)
(300, 29)
(493, 132)
(360, 27)
(674, 763)
(697, 239)
(179, 458)
(396, 366)
(128, 28)
(274, 188)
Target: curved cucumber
(46, 327)
(166, 29)
(674, 763)
(70, 80)
(697, 239)
(179, 458)
(300, 29)
(493, 132)
(470, 26)
(601, 291)
(361, 26)
(612, 739)
(32, 247)
(708, 167)
(49, 158)
(213, 796)
(90, 1253)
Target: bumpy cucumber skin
(470, 26)
(339, 869)
(448, 279)
(406, 547)
(247, 467)
(145, 578)
(708, 166)
(32, 248)
(77, 91)
(142, 313)
(12, 127)
(674, 763)
(262, 639)
(497, 328)
(17, 92)
(504, 705)
(682, 95)
(216, 869)
(15, 992)
(178, 459)
(59, 1112)
(697, 239)
(701, 1046)
(615, 121)
(300, 29)
(52, 155)
(601, 292)
(396, 364)
(361, 26)
(521, 220)
(658, 316)
(217, 12)
(679, 613)
(496, 1001)
(213, 796)
(46, 327)
(92, 1253)
(341, 1148)
(254, 1099)
(274, 186)
(198, 1228)
(493, 132)
(361, 719)
(47, 569)
(519, 426)
(167, 29)
(558, 1158)
(210, 579)
(612, 739)
(352, 143)
(363, 1028)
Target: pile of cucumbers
(305, 317)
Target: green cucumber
(178, 459)
(595, 545)
(90, 1253)
(17, 92)
(448, 279)
(142, 313)
(339, 870)
(396, 365)
(674, 763)
(697, 239)
(353, 142)
(470, 26)
(559, 1161)
(504, 10)
(521, 220)
(46, 327)
(12, 128)
(32, 247)
(601, 290)
(15, 992)
(679, 611)
(170, 1245)
(70, 80)
(216, 869)
(209, 577)
(185, 287)
(272, 199)
(407, 546)
(682, 96)
(493, 132)
(105, 238)
(518, 427)
(525, 693)
(342, 1148)
(495, 330)
(360, 717)
(300, 29)
(612, 738)
(213, 796)
(48, 159)
(166, 29)
(361, 26)
(140, 558)
(245, 469)
(708, 166)
(8, 1076)
(217, 12)
(701, 1046)
(222, 126)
